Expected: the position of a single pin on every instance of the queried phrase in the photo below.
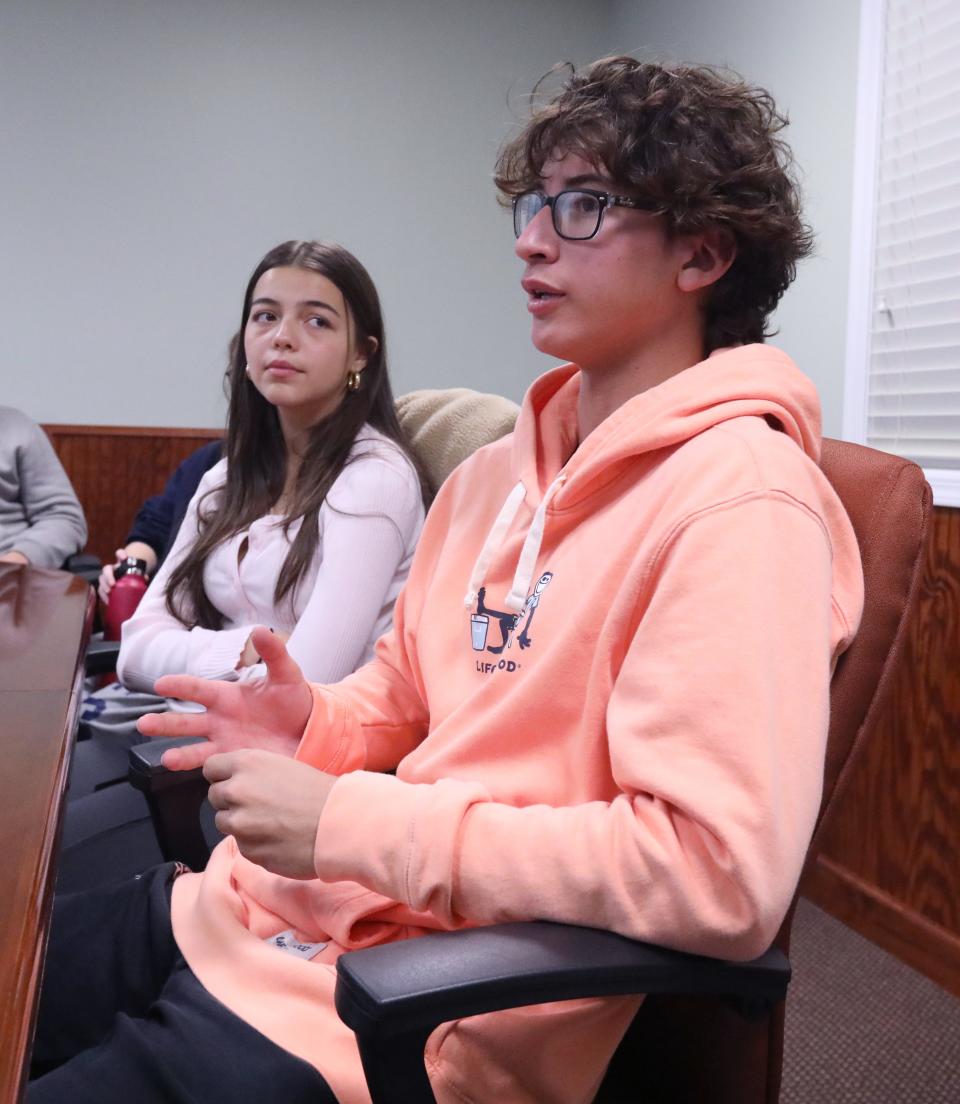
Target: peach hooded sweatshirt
(606, 696)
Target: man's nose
(539, 240)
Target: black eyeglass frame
(605, 200)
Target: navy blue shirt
(158, 520)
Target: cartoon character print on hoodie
(509, 624)
(652, 764)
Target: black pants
(123, 1019)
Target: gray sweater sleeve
(39, 512)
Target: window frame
(945, 482)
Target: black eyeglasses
(577, 213)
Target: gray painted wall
(806, 55)
(152, 153)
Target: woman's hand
(107, 578)
(268, 713)
(271, 805)
(139, 551)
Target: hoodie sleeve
(55, 523)
(716, 730)
(376, 716)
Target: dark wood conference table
(45, 619)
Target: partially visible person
(41, 521)
(158, 520)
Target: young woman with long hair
(308, 523)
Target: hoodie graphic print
(606, 698)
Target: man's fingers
(174, 724)
(220, 767)
(272, 650)
(215, 794)
(186, 758)
(187, 688)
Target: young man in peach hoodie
(606, 692)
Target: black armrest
(101, 657)
(84, 564)
(394, 996)
(146, 772)
(174, 799)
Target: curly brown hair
(702, 147)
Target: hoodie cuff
(38, 554)
(400, 839)
(332, 740)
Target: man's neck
(605, 388)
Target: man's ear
(712, 254)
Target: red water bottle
(131, 582)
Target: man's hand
(249, 657)
(14, 558)
(268, 713)
(271, 805)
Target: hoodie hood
(748, 380)
(756, 380)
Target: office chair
(84, 564)
(708, 1031)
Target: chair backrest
(702, 1049)
(445, 427)
(889, 504)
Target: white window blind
(913, 384)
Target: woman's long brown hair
(255, 449)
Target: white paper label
(287, 941)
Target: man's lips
(541, 297)
(535, 287)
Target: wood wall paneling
(115, 468)
(890, 865)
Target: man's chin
(550, 342)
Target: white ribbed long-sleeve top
(369, 525)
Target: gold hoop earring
(353, 381)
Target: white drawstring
(508, 511)
(528, 555)
(531, 549)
